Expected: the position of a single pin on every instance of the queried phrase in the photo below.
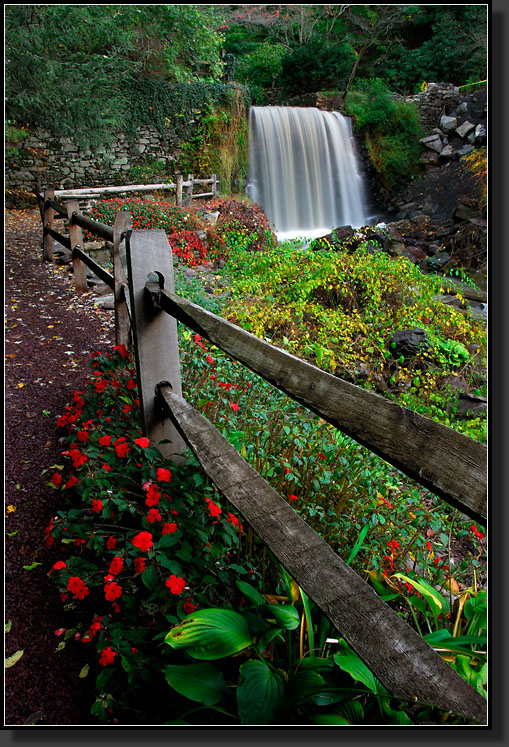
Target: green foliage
(80, 70)
(261, 67)
(316, 65)
(392, 130)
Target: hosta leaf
(285, 615)
(211, 634)
(330, 719)
(200, 682)
(259, 693)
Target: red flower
(153, 495)
(97, 506)
(106, 467)
(131, 384)
(105, 440)
(122, 351)
(143, 442)
(197, 339)
(71, 482)
(169, 528)
(116, 565)
(76, 586)
(143, 541)
(214, 509)
(107, 656)
(121, 447)
(82, 436)
(293, 498)
(112, 591)
(78, 459)
(58, 566)
(111, 543)
(56, 479)
(139, 565)
(234, 405)
(175, 584)
(189, 607)
(478, 534)
(233, 520)
(163, 475)
(153, 515)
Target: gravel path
(50, 333)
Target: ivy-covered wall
(199, 129)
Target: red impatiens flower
(143, 442)
(153, 494)
(121, 447)
(214, 509)
(197, 339)
(153, 515)
(107, 656)
(175, 584)
(76, 586)
(189, 607)
(56, 479)
(78, 459)
(139, 564)
(234, 405)
(105, 440)
(97, 506)
(71, 482)
(116, 565)
(82, 436)
(121, 350)
(233, 520)
(293, 498)
(163, 475)
(143, 541)
(112, 591)
(169, 528)
(57, 566)
(478, 534)
(111, 543)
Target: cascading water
(303, 170)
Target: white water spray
(303, 170)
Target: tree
(69, 67)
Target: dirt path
(50, 333)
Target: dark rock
(439, 261)
(470, 405)
(409, 342)
(414, 254)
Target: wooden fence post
(48, 224)
(76, 238)
(178, 190)
(154, 336)
(123, 224)
(214, 186)
(189, 191)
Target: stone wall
(437, 99)
(60, 163)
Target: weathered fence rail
(451, 465)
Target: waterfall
(303, 170)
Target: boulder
(433, 142)
(409, 342)
(464, 128)
(448, 123)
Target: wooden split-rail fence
(448, 463)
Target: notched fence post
(154, 336)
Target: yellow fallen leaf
(11, 661)
(21, 385)
(11, 509)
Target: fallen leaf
(11, 661)
(21, 384)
